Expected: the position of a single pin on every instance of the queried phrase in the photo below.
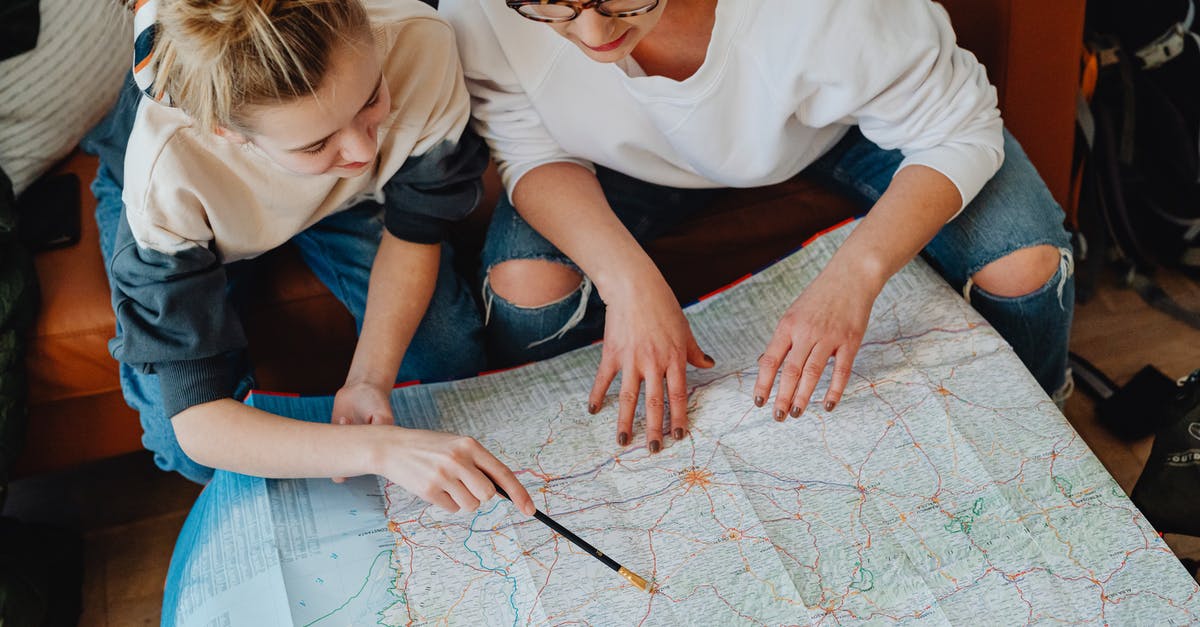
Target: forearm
(914, 208)
(229, 435)
(566, 204)
(403, 277)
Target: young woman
(340, 128)
(611, 119)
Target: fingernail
(710, 359)
(796, 411)
(829, 405)
(780, 415)
(593, 408)
(758, 401)
(655, 446)
(623, 438)
(678, 433)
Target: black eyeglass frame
(577, 7)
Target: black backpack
(1139, 186)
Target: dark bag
(1144, 126)
(1168, 491)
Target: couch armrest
(1031, 49)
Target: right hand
(451, 471)
(647, 339)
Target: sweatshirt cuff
(193, 382)
(969, 167)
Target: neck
(677, 46)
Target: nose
(360, 144)
(592, 28)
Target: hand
(828, 319)
(360, 404)
(451, 471)
(646, 338)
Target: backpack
(1138, 185)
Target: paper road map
(945, 489)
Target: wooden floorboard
(129, 512)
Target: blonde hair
(215, 57)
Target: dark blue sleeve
(432, 191)
(174, 319)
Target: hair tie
(145, 23)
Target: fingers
(479, 484)
(654, 412)
(627, 405)
(677, 395)
(604, 378)
(768, 365)
(442, 500)
(842, 365)
(811, 373)
(498, 472)
(463, 498)
(379, 419)
(697, 357)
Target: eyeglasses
(567, 10)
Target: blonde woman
(337, 126)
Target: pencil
(631, 576)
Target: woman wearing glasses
(612, 121)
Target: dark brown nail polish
(709, 358)
(829, 405)
(623, 438)
(780, 415)
(758, 401)
(593, 408)
(796, 411)
(678, 433)
(655, 446)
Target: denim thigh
(448, 343)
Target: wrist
(865, 270)
(630, 278)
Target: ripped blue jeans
(1013, 211)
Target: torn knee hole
(533, 282)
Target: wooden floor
(129, 512)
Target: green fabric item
(18, 305)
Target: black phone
(50, 212)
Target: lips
(612, 45)
(354, 166)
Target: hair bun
(210, 27)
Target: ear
(231, 135)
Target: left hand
(827, 320)
(361, 404)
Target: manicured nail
(710, 359)
(758, 401)
(796, 410)
(623, 438)
(655, 446)
(678, 433)
(593, 408)
(780, 415)
(829, 405)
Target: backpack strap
(1171, 43)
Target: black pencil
(633, 577)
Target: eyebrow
(374, 93)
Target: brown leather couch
(302, 338)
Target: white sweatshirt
(782, 82)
